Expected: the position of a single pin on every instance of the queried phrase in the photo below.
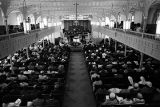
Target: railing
(14, 35)
(151, 36)
(139, 34)
(3, 37)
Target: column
(11, 64)
(43, 43)
(48, 39)
(47, 20)
(141, 60)
(144, 23)
(104, 39)
(27, 52)
(35, 18)
(125, 50)
(6, 25)
(88, 36)
(24, 12)
(109, 39)
(115, 45)
(52, 38)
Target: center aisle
(78, 88)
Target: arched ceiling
(59, 8)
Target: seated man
(42, 77)
(22, 77)
(38, 102)
(148, 91)
(111, 99)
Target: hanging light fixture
(76, 21)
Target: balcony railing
(139, 34)
(14, 35)
(3, 37)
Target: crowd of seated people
(76, 30)
(134, 26)
(118, 79)
(16, 28)
(36, 79)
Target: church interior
(79, 53)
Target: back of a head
(149, 84)
(142, 78)
(112, 95)
(136, 85)
(61, 67)
(139, 95)
(130, 79)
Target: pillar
(88, 36)
(144, 23)
(141, 60)
(104, 39)
(109, 39)
(27, 53)
(24, 12)
(6, 25)
(24, 26)
(43, 43)
(52, 38)
(115, 45)
(48, 39)
(11, 64)
(35, 18)
(125, 50)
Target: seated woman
(111, 99)
(38, 102)
(142, 82)
(11, 101)
(94, 76)
(135, 89)
(127, 100)
(130, 79)
(139, 99)
(42, 77)
(21, 76)
(114, 90)
(96, 83)
(61, 69)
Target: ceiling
(58, 8)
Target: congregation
(118, 79)
(35, 77)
